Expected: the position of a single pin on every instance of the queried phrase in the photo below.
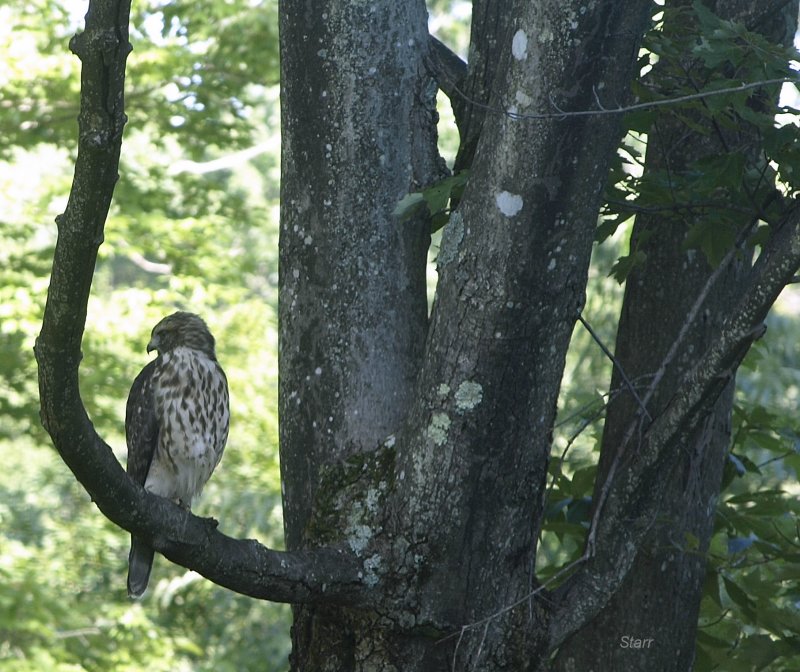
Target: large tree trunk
(658, 602)
(358, 132)
(472, 434)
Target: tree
(414, 448)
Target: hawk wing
(141, 426)
(141, 433)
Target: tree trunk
(472, 434)
(358, 133)
(658, 602)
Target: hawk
(176, 423)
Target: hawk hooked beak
(152, 345)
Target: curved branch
(241, 565)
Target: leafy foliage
(437, 200)
(713, 195)
(749, 613)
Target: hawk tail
(140, 562)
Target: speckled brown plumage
(176, 422)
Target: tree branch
(445, 66)
(618, 535)
(241, 565)
(619, 109)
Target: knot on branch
(105, 42)
(97, 138)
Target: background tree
(658, 337)
(362, 452)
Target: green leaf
(408, 205)
(436, 198)
(625, 264)
(739, 597)
(714, 238)
(582, 481)
(703, 662)
(759, 651)
(715, 642)
(711, 586)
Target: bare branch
(617, 365)
(445, 66)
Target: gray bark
(358, 133)
(472, 435)
(512, 274)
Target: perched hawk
(176, 422)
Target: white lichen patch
(443, 390)
(509, 204)
(523, 98)
(545, 35)
(372, 499)
(468, 395)
(437, 430)
(371, 566)
(519, 45)
(358, 537)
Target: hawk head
(181, 329)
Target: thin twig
(563, 114)
(617, 365)
(480, 646)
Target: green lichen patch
(437, 430)
(350, 498)
(468, 395)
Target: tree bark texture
(358, 132)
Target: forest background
(194, 226)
